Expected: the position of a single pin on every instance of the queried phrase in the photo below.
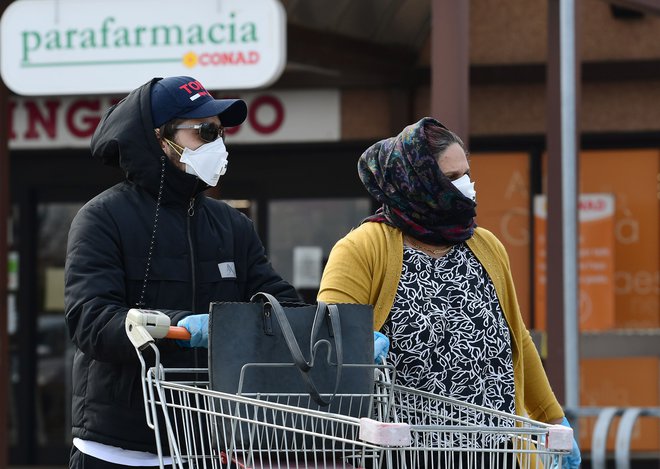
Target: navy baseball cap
(186, 98)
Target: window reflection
(54, 350)
(299, 229)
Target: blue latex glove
(573, 460)
(198, 326)
(381, 347)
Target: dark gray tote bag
(310, 356)
(244, 336)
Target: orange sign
(596, 261)
(502, 185)
(632, 175)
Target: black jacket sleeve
(261, 275)
(95, 288)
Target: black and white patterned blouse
(447, 330)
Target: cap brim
(232, 112)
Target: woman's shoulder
(484, 241)
(483, 235)
(372, 232)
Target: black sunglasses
(208, 131)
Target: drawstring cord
(140, 303)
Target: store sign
(56, 47)
(283, 116)
(596, 261)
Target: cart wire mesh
(210, 429)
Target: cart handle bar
(145, 325)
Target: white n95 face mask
(208, 162)
(466, 187)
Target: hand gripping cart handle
(145, 325)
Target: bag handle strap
(333, 312)
(298, 358)
(271, 302)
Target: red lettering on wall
(10, 119)
(44, 122)
(275, 104)
(84, 127)
(592, 205)
(48, 122)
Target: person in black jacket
(153, 241)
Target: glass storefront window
(54, 350)
(306, 230)
(12, 323)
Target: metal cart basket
(196, 427)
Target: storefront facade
(293, 171)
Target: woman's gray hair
(439, 138)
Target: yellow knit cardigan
(365, 266)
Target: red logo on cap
(195, 89)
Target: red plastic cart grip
(180, 333)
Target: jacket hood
(125, 137)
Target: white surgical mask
(466, 187)
(208, 162)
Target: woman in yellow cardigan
(441, 287)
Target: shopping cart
(197, 427)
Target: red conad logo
(206, 59)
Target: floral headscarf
(402, 174)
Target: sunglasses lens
(208, 131)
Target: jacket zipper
(191, 213)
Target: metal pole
(569, 181)
(562, 143)
(450, 65)
(555, 232)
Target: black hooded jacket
(107, 252)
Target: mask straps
(175, 146)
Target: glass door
(41, 352)
(54, 350)
(302, 232)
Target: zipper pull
(191, 207)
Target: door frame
(39, 177)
